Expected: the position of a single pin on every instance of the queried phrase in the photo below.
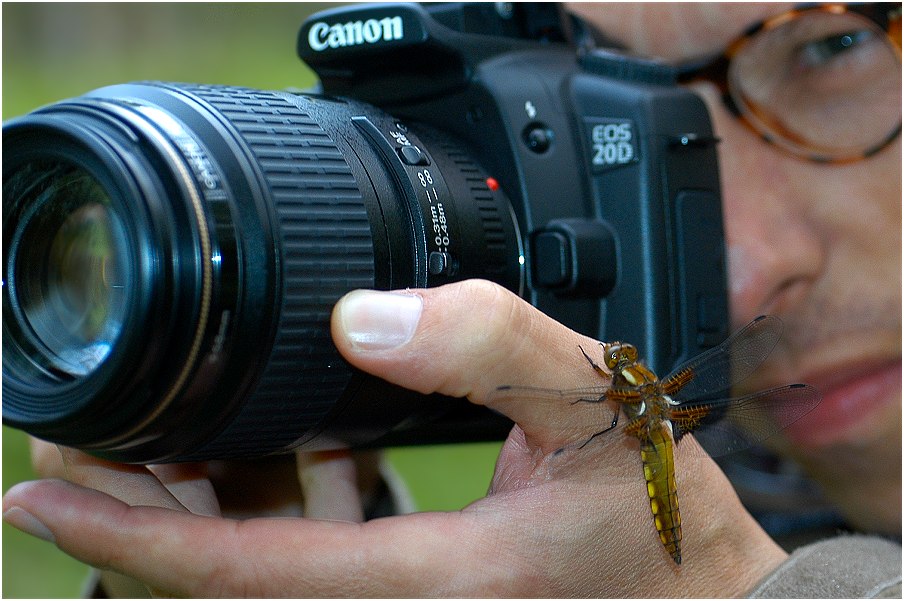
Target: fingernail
(378, 321)
(27, 523)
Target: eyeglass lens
(822, 83)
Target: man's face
(817, 244)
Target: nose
(774, 251)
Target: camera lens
(66, 265)
(172, 253)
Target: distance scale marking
(439, 261)
(442, 237)
(410, 162)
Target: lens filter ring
(101, 241)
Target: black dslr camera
(172, 252)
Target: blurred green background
(55, 51)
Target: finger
(189, 484)
(175, 486)
(329, 485)
(467, 339)
(51, 460)
(199, 556)
(46, 459)
(132, 484)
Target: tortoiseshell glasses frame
(822, 82)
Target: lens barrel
(172, 253)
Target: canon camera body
(172, 252)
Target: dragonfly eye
(620, 354)
(630, 353)
(612, 351)
(612, 358)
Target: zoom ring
(326, 249)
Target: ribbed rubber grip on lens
(325, 250)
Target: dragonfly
(660, 412)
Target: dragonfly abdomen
(659, 473)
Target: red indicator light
(492, 184)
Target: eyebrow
(603, 39)
(883, 14)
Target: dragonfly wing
(728, 425)
(727, 364)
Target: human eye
(825, 80)
(836, 47)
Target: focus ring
(325, 249)
(495, 253)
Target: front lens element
(68, 272)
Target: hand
(324, 485)
(335, 485)
(575, 523)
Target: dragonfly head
(619, 355)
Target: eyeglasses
(822, 82)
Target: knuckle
(491, 330)
(497, 312)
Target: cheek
(765, 189)
(884, 184)
(753, 171)
(858, 207)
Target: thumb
(466, 340)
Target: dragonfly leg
(593, 364)
(601, 432)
